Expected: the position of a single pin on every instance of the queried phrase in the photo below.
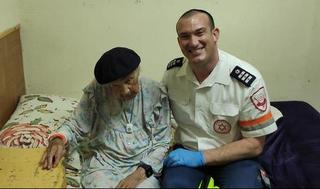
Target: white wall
(62, 40)
(9, 14)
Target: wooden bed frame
(12, 82)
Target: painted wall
(62, 40)
(9, 14)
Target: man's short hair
(192, 12)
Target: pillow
(21, 171)
(39, 109)
(34, 119)
(25, 136)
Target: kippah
(115, 64)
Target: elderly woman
(123, 120)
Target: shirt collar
(220, 73)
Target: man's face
(126, 88)
(196, 39)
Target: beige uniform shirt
(221, 109)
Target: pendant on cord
(129, 127)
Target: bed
(26, 121)
(291, 157)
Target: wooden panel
(12, 83)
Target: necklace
(129, 124)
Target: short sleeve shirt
(231, 103)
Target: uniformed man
(222, 109)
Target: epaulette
(243, 76)
(175, 63)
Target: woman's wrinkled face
(126, 88)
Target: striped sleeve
(258, 127)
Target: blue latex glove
(183, 157)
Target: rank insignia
(175, 63)
(243, 76)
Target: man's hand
(133, 180)
(183, 157)
(53, 154)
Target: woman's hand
(133, 180)
(53, 154)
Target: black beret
(115, 64)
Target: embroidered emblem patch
(259, 99)
(175, 63)
(243, 76)
(221, 126)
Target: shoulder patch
(175, 63)
(243, 76)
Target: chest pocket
(225, 111)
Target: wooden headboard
(12, 83)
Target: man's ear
(178, 40)
(216, 34)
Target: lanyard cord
(131, 112)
